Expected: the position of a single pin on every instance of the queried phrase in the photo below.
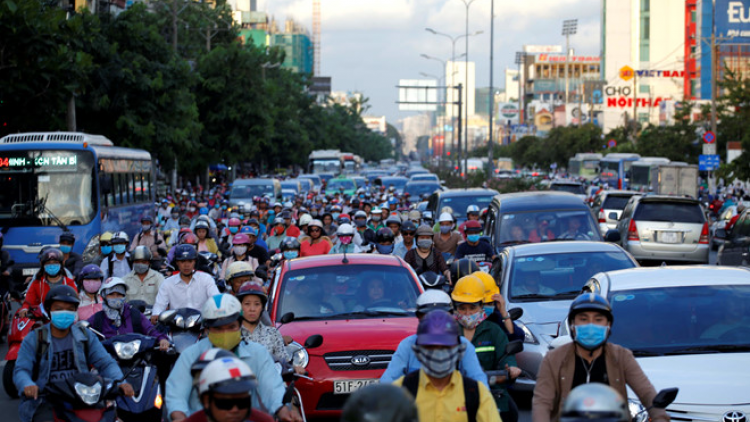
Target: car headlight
(528, 336)
(88, 394)
(298, 354)
(126, 351)
(637, 411)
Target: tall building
(297, 45)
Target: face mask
(175, 216)
(345, 240)
(360, 223)
(384, 249)
(488, 310)
(290, 254)
(65, 248)
(92, 286)
(52, 269)
(424, 243)
(471, 321)
(140, 268)
(473, 238)
(146, 227)
(376, 218)
(62, 320)
(119, 249)
(223, 207)
(106, 250)
(239, 250)
(191, 209)
(226, 340)
(591, 336)
(234, 230)
(439, 363)
(335, 215)
(445, 229)
(116, 304)
(217, 206)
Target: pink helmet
(240, 239)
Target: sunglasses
(229, 404)
(408, 233)
(315, 230)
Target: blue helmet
(185, 252)
(438, 328)
(90, 272)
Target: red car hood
(353, 334)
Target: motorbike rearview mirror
(84, 324)
(515, 313)
(313, 341)
(514, 347)
(287, 318)
(665, 397)
(167, 315)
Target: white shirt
(175, 293)
(120, 267)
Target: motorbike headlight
(299, 354)
(179, 321)
(528, 335)
(192, 320)
(637, 411)
(126, 351)
(88, 394)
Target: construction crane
(316, 37)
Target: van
(244, 190)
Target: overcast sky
(368, 45)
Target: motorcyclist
(472, 214)
(89, 282)
(239, 273)
(488, 339)
(290, 248)
(408, 242)
(118, 317)
(173, 223)
(148, 236)
(375, 216)
(393, 222)
(383, 241)
(474, 249)
(494, 307)
(240, 245)
(405, 361)
(72, 261)
(345, 240)
(276, 235)
(221, 316)
(72, 349)
(425, 257)
(143, 282)
(232, 228)
(448, 239)
(116, 265)
(589, 358)
(316, 243)
(226, 387)
(50, 274)
(254, 299)
(366, 234)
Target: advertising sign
(507, 111)
(417, 94)
(560, 58)
(627, 73)
(733, 20)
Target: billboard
(417, 94)
(732, 20)
(375, 123)
(507, 112)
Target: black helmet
(67, 236)
(590, 302)
(50, 254)
(289, 243)
(62, 293)
(462, 267)
(408, 226)
(185, 252)
(384, 235)
(431, 280)
(380, 402)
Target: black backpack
(471, 392)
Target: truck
(325, 161)
(351, 162)
(675, 179)
(642, 170)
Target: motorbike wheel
(10, 387)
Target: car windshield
(397, 183)
(419, 189)
(615, 202)
(421, 176)
(689, 319)
(290, 186)
(560, 276)
(545, 226)
(359, 181)
(250, 191)
(676, 212)
(459, 204)
(348, 291)
(571, 188)
(336, 184)
(44, 188)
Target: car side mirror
(515, 313)
(665, 397)
(313, 341)
(612, 236)
(287, 318)
(613, 216)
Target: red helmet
(250, 288)
(240, 239)
(234, 222)
(190, 239)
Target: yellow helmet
(469, 289)
(105, 237)
(490, 287)
(239, 269)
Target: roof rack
(72, 137)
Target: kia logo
(362, 360)
(734, 416)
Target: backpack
(471, 392)
(135, 319)
(42, 346)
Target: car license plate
(350, 386)
(29, 271)
(668, 237)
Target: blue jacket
(182, 397)
(405, 361)
(97, 357)
(400, 249)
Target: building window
(643, 117)
(644, 89)
(645, 31)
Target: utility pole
(490, 145)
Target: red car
(362, 305)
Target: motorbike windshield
(47, 188)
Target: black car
(734, 250)
(458, 200)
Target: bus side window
(147, 187)
(116, 188)
(131, 188)
(123, 188)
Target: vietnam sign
(627, 73)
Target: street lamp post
(570, 27)
(520, 59)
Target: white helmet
(433, 299)
(221, 310)
(110, 283)
(345, 230)
(305, 219)
(472, 209)
(445, 217)
(227, 376)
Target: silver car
(543, 279)
(607, 208)
(664, 228)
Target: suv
(608, 206)
(570, 186)
(458, 200)
(664, 228)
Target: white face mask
(239, 250)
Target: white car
(688, 327)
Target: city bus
(640, 177)
(614, 169)
(585, 165)
(57, 181)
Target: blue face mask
(106, 250)
(384, 249)
(65, 248)
(52, 269)
(234, 230)
(473, 238)
(335, 215)
(489, 310)
(223, 207)
(62, 320)
(591, 336)
(217, 206)
(290, 254)
(119, 248)
(445, 229)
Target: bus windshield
(610, 171)
(326, 166)
(47, 188)
(641, 176)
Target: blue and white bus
(67, 180)
(614, 169)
